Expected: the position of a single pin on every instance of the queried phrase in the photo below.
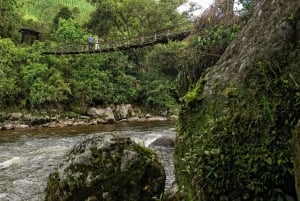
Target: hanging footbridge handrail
(162, 36)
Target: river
(28, 156)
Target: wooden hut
(29, 36)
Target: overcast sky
(203, 3)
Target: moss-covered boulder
(106, 167)
(235, 127)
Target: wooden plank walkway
(120, 45)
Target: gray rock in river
(107, 167)
(164, 141)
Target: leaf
(268, 160)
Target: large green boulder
(109, 168)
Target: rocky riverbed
(93, 116)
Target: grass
(45, 10)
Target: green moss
(230, 92)
(121, 170)
(237, 145)
(194, 94)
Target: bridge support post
(168, 34)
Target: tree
(11, 60)
(63, 13)
(45, 86)
(249, 5)
(226, 7)
(9, 18)
(68, 31)
(133, 17)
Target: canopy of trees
(9, 18)
(133, 17)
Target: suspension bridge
(173, 33)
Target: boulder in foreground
(107, 167)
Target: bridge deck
(120, 45)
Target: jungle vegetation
(235, 132)
(155, 77)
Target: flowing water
(28, 156)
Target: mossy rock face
(235, 130)
(109, 168)
(296, 140)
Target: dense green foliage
(235, 143)
(238, 142)
(9, 18)
(31, 80)
(63, 13)
(204, 49)
(46, 10)
(131, 18)
(73, 83)
(68, 31)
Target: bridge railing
(61, 48)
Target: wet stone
(107, 167)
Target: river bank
(93, 116)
